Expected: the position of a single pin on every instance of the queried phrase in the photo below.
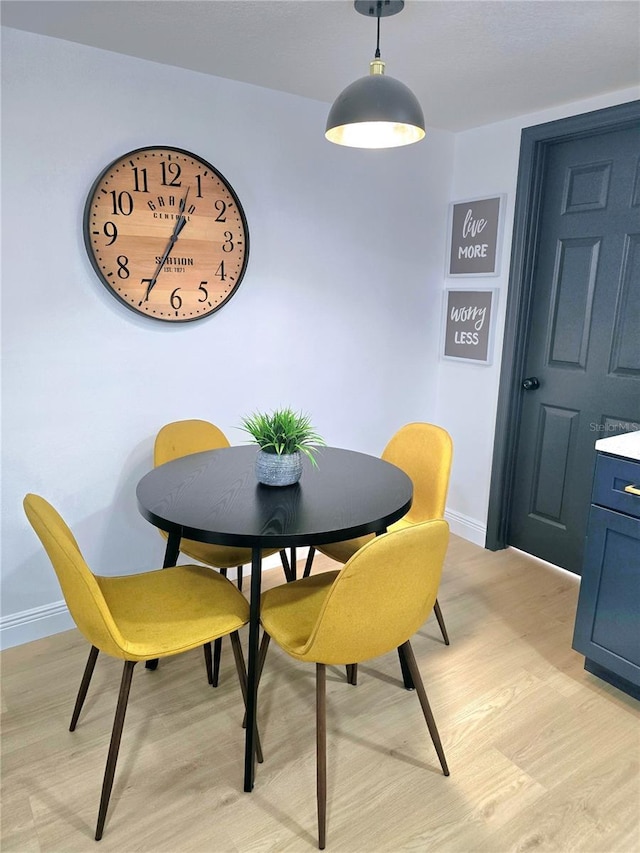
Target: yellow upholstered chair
(424, 452)
(182, 438)
(372, 606)
(136, 617)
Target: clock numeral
(221, 207)
(191, 209)
(220, 272)
(111, 232)
(140, 180)
(147, 282)
(228, 245)
(205, 292)
(171, 174)
(122, 203)
(176, 301)
(199, 183)
(123, 270)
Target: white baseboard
(468, 528)
(34, 624)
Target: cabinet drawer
(612, 476)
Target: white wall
(486, 163)
(338, 314)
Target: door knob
(530, 383)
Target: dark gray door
(583, 341)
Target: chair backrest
(382, 595)
(181, 438)
(424, 452)
(80, 589)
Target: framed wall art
(475, 236)
(469, 324)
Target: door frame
(534, 144)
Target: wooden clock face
(166, 234)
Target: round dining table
(214, 497)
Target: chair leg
(262, 656)
(440, 618)
(239, 577)
(424, 702)
(208, 662)
(321, 752)
(352, 673)
(293, 562)
(84, 686)
(289, 565)
(285, 566)
(242, 677)
(309, 563)
(406, 672)
(213, 667)
(114, 746)
(217, 651)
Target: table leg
(252, 673)
(170, 559)
(172, 550)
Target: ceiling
(469, 63)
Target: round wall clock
(166, 234)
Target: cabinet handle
(633, 490)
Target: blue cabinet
(607, 629)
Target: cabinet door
(608, 619)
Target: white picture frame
(468, 324)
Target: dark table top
(214, 497)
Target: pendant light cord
(379, 9)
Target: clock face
(166, 234)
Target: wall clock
(166, 234)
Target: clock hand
(180, 223)
(163, 259)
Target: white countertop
(627, 445)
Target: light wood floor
(543, 756)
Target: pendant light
(376, 111)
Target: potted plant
(282, 436)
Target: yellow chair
(424, 452)
(182, 438)
(373, 605)
(136, 617)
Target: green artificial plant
(283, 431)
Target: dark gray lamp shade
(375, 112)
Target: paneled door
(580, 377)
